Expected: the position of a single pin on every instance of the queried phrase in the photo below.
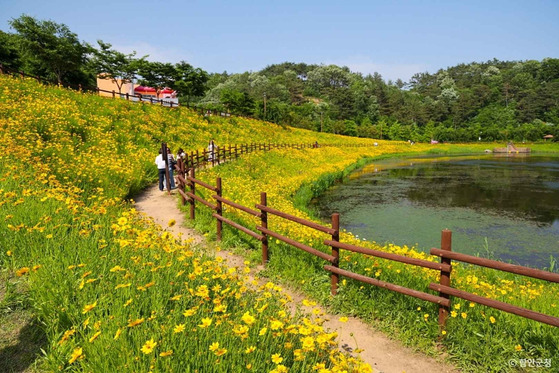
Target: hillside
(488, 101)
(101, 275)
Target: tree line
(488, 101)
(51, 50)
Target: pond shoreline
(483, 221)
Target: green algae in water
(508, 205)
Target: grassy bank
(99, 287)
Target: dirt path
(382, 353)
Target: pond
(502, 207)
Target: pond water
(502, 207)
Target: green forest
(477, 101)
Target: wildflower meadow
(112, 290)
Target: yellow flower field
(114, 291)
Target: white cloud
(392, 72)
(154, 53)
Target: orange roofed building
(107, 86)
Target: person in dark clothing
(160, 163)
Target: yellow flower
(308, 303)
(166, 353)
(453, 314)
(457, 306)
(343, 319)
(263, 331)
(190, 312)
(171, 222)
(117, 334)
(148, 346)
(221, 351)
(276, 324)
(277, 359)
(492, 319)
(179, 328)
(22, 271)
(76, 354)
(308, 343)
(116, 269)
(443, 332)
(464, 315)
(251, 349)
(9, 253)
(518, 347)
(248, 319)
(94, 337)
(89, 307)
(136, 322)
(67, 335)
(207, 321)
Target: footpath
(383, 354)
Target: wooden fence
(220, 154)
(187, 189)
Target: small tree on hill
(111, 64)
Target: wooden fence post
(219, 209)
(114, 93)
(334, 278)
(193, 191)
(236, 152)
(264, 224)
(197, 159)
(446, 244)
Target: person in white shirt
(211, 151)
(160, 163)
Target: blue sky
(394, 38)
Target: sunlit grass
(113, 291)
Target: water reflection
(511, 201)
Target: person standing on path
(171, 162)
(160, 163)
(211, 151)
